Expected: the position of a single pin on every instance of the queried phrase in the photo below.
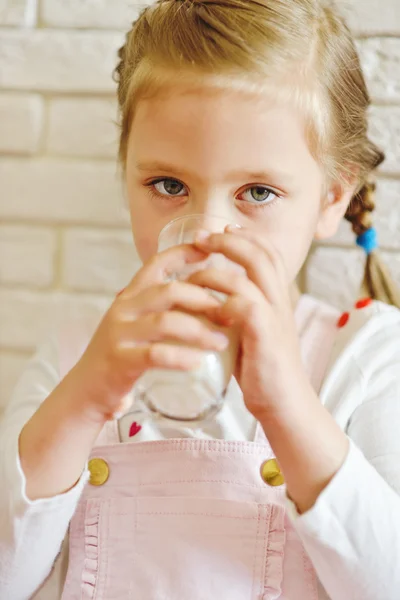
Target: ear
(334, 207)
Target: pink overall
(185, 520)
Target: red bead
(344, 319)
(364, 303)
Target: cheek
(294, 262)
(145, 234)
(146, 246)
(294, 241)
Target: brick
(11, 367)
(27, 317)
(20, 13)
(27, 255)
(55, 60)
(21, 123)
(91, 13)
(386, 218)
(83, 127)
(98, 260)
(335, 274)
(61, 191)
(385, 131)
(371, 17)
(380, 58)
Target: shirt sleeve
(352, 534)
(31, 533)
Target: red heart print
(135, 429)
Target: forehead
(213, 128)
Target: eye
(259, 194)
(169, 187)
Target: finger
(155, 356)
(162, 266)
(248, 316)
(164, 356)
(251, 257)
(171, 326)
(177, 294)
(227, 282)
(263, 243)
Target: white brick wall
(27, 255)
(58, 60)
(21, 123)
(380, 58)
(90, 258)
(385, 131)
(90, 13)
(373, 17)
(55, 190)
(27, 315)
(83, 127)
(65, 244)
(18, 12)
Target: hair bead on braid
(368, 241)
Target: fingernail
(233, 228)
(221, 340)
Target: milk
(194, 395)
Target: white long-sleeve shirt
(352, 534)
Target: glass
(197, 395)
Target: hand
(270, 368)
(151, 324)
(307, 441)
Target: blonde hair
(301, 49)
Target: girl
(254, 110)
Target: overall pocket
(184, 548)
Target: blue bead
(368, 240)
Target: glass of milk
(198, 395)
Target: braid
(378, 283)
(359, 213)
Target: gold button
(99, 471)
(271, 473)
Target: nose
(215, 220)
(212, 223)
(185, 229)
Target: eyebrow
(150, 167)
